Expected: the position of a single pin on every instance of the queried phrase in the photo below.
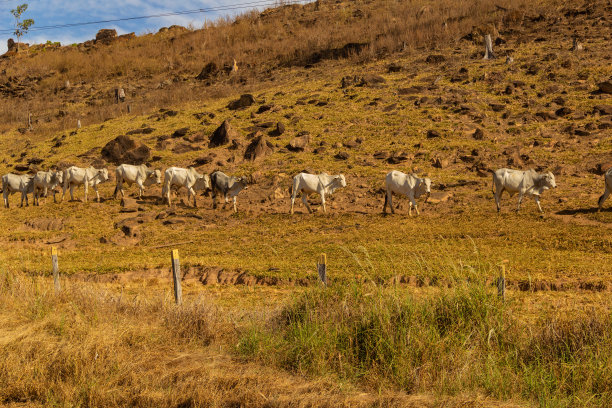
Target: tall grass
(463, 340)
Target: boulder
(299, 143)
(222, 135)
(258, 148)
(123, 149)
(394, 67)
(603, 109)
(371, 80)
(601, 168)
(342, 156)
(435, 59)
(564, 111)
(605, 87)
(432, 134)
(439, 163)
(180, 132)
(106, 35)
(210, 70)
(245, 101)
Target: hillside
(358, 88)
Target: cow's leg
(225, 200)
(120, 186)
(498, 194)
(5, 196)
(414, 204)
(390, 196)
(537, 200)
(86, 186)
(72, 192)
(323, 203)
(97, 193)
(603, 198)
(168, 195)
(520, 199)
(292, 201)
(386, 200)
(214, 198)
(141, 189)
(305, 201)
(192, 193)
(234, 201)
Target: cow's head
(241, 183)
(102, 175)
(202, 183)
(336, 183)
(424, 187)
(58, 176)
(340, 180)
(153, 177)
(548, 180)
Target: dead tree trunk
(488, 48)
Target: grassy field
(411, 317)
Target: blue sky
(51, 12)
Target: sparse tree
(21, 27)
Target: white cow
(13, 183)
(528, 183)
(321, 184)
(139, 175)
(228, 186)
(89, 177)
(188, 178)
(608, 190)
(405, 184)
(45, 181)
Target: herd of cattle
(525, 183)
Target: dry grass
(261, 43)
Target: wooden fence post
(501, 281)
(489, 48)
(176, 277)
(322, 269)
(56, 281)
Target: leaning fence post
(501, 281)
(322, 269)
(489, 48)
(176, 277)
(56, 281)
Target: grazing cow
(608, 183)
(13, 183)
(45, 181)
(527, 182)
(89, 177)
(140, 175)
(321, 184)
(405, 184)
(227, 186)
(188, 178)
